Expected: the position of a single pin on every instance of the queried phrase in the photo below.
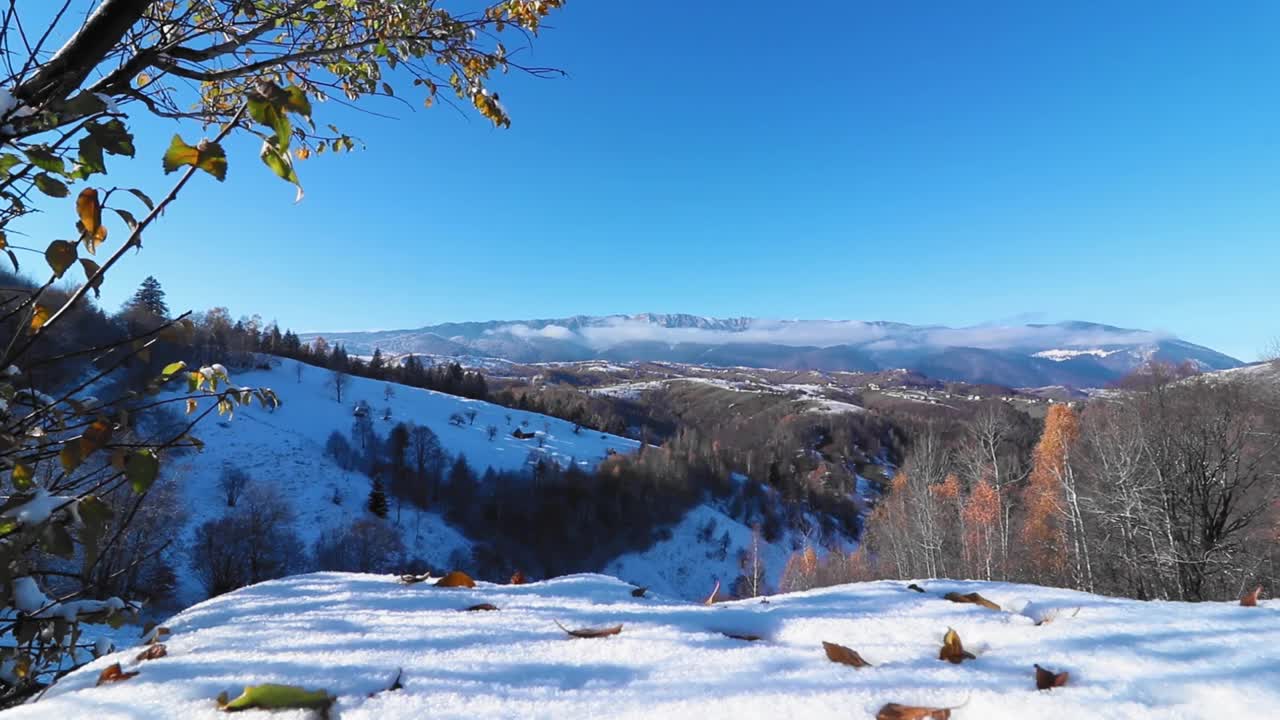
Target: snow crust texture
(352, 634)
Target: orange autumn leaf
(894, 711)
(517, 578)
(155, 652)
(114, 674)
(971, 598)
(1251, 599)
(952, 650)
(843, 655)
(1048, 679)
(457, 578)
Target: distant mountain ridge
(1075, 353)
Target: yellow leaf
(39, 317)
(93, 232)
(277, 697)
(207, 156)
(60, 254)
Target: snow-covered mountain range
(1078, 354)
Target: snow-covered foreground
(352, 634)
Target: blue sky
(917, 162)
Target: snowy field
(284, 448)
(351, 635)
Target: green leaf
(90, 157)
(265, 113)
(94, 512)
(281, 164)
(277, 697)
(141, 468)
(145, 198)
(70, 457)
(208, 156)
(7, 161)
(55, 540)
(51, 186)
(95, 284)
(173, 369)
(112, 136)
(23, 476)
(45, 159)
(60, 255)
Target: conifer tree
(377, 503)
(149, 298)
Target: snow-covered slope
(351, 635)
(285, 448)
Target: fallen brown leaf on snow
(457, 578)
(972, 598)
(1048, 679)
(742, 636)
(114, 674)
(591, 632)
(894, 711)
(639, 592)
(1251, 599)
(155, 652)
(480, 607)
(412, 579)
(952, 651)
(152, 633)
(843, 655)
(915, 587)
(517, 578)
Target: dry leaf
(712, 597)
(742, 636)
(952, 651)
(1048, 679)
(114, 674)
(155, 652)
(457, 578)
(153, 634)
(1251, 599)
(591, 632)
(480, 607)
(395, 684)
(414, 579)
(915, 587)
(517, 579)
(843, 655)
(971, 598)
(639, 592)
(894, 711)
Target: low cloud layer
(613, 331)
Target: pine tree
(377, 500)
(149, 298)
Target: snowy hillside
(353, 635)
(285, 448)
